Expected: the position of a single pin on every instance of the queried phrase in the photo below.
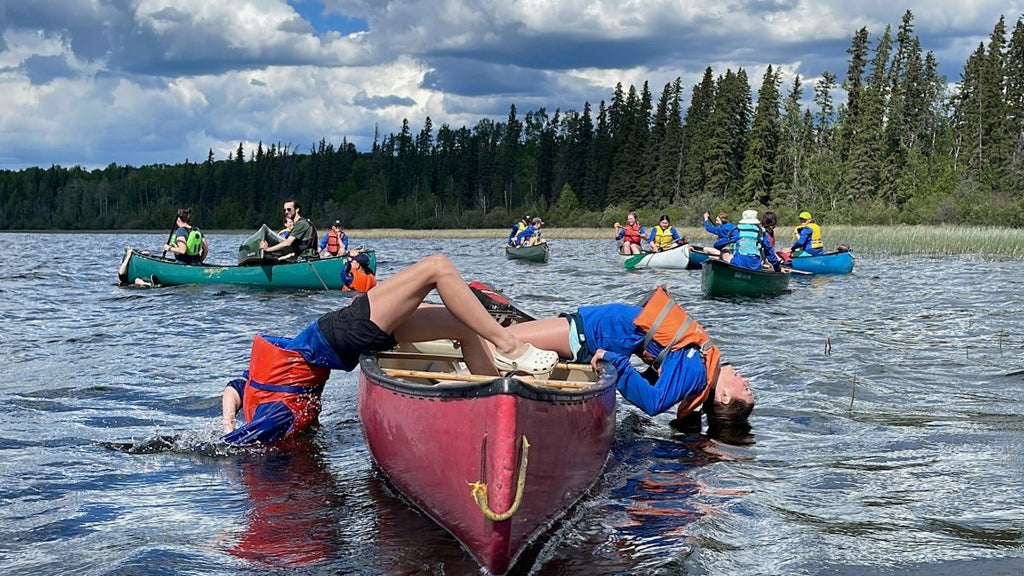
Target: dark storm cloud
(379, 102)
(43, 69)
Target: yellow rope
(479, 491)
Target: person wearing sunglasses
(301, 241)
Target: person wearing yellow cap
(807, 238)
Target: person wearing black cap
(531, 234)
(335, 242)
(518, 227)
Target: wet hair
(730, 432)
(185, 215)
(735, 411)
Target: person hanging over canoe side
(684, 366)
(279, 394)
(664, 236)
(724, 230)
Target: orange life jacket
(361, 281)
(276, 374)
(670, 326)
(333, 242)
(631, 233)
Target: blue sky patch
(313, 11)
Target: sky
(139, 82)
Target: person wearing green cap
(807, 238)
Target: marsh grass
(894, 240)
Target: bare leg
(394, 300)
(546, 333)
(431, 322)
(712, 251)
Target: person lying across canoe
(279, 394)
(683, 363)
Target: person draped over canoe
(630, 236)
(683, 364)
(517, 227)
(279, 394)
(187, 241)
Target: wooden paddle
(459, 358)
(398, 373)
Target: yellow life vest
(663, 237)
(816, 241)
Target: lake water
(887, 437)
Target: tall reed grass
(894, 240)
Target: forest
(889, 141)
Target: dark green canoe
(535, 253)
(323, 274)
(721, 279)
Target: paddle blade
(633, 261)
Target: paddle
(459, 358)
(170, 236)
(479, 378)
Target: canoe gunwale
(500, 385)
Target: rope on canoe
(479, 490)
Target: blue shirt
(727, 233)
(610, 327)
(341, 236)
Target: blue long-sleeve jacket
(526, 234)
(727, 233)
(803, 242)
(610, 327)
(753, 261)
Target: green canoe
(535, 253)
(721, 279)
(323, 274)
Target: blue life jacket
(749, 242)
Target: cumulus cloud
(144, 81)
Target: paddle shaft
(458, 358)
(398, 373)
(170, 237)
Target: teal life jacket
(749, 239)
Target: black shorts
(350, 332)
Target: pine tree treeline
(902, 147)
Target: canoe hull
(682, 258)
(324, 274)
(721, 279)
(536, 253)
(434, 442)
(831, 263)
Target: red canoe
(494, 461)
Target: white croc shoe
(534, 361)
